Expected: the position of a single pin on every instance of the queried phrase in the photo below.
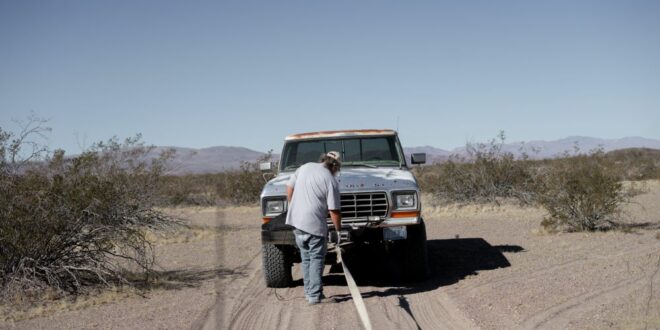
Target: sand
(492, 267)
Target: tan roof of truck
(349, 132)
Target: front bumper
(387, 222)
(399, 222)
(285, 236)
(278, 237)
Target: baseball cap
(334, 155)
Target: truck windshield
(372, 151)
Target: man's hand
(335, 237)
(335, 216)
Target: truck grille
(362, 205)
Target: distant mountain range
(571, 144)
(207, 160)
(546, 149)
(222, 158)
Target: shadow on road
(450, 260)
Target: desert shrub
(243, 186)
(236, 187)
(190, 190)
(580, 193)
(635, 163)
(68, 223)
(486, 175)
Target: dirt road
(492, 268)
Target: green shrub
(243, 186)
(580, 193)
(68, 223)
(236, 187)
(486, 175)
(636, 163)
(191, 190)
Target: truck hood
(352, 179)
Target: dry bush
(486, 175)
(235, 187)
(580, 193)
(636, 163)
(190, 190)
(243, 186)
(71, 223)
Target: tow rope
(355, 292)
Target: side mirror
(266, 167)
(419, 158)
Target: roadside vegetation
(581, 191)
(486, 174)
(235, 187)
(70, 223)
(73, 223)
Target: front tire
(415, 255)
(277, 261)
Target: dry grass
(187, 235)
(241, 186)
(206, 223)
(432, 207)
(53, 304)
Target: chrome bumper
(387, 222)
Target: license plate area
(395, 233)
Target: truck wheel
(277, 261)
(415, 257)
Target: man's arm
(289, 193)
(335, 215)
(290, 184)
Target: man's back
(315, 192)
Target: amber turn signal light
(407, 214)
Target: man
(312, 191)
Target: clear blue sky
(245, 73)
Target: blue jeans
(312, 252)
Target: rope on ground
(355, 293)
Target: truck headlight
(274, 207)
(405, 201)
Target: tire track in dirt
(526, 275)
(250, 305)
(250, 313)
(559, 316)
(539, 273)
(258, 308)
(215, 315)
(436, 310)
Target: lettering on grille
(362, 205)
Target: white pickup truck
(380, 201)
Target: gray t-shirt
(315, 191)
